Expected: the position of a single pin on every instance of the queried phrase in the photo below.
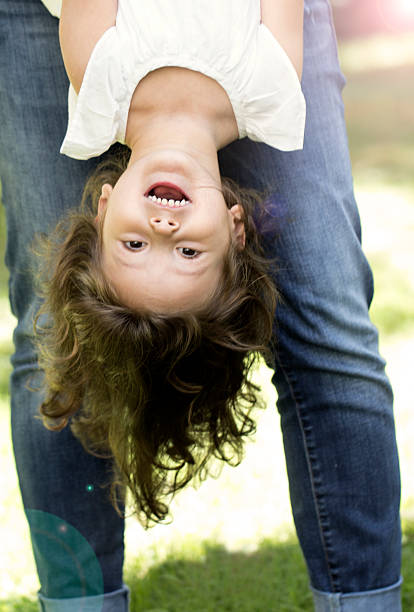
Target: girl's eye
(134, 245)
(188, 253)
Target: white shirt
(223, 39)
(54, 6)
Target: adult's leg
(77, 536)
(334, 398)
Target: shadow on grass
(272, 579)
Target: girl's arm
(284, 18)
(82, 23)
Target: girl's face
(160, 257)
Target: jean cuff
(115, 601)
(387, 599)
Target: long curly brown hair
(161, 395)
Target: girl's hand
(284, 18)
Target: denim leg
(334, 398)
(77, 536)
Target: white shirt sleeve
(53, 6)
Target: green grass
(3, 271)
(408, 567)
(19, 604)
(393, 306)
(5, 369)
(272, 578)
(205, 577)
(6, 346)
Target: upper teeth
(165, 202)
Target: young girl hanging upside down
(157, 293)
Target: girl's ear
(103, 200)
(239, 232)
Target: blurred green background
(238, 530)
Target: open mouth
(167, 194)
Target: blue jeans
(334, 399)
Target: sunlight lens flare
(405, 8)
(398, 15)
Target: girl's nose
(164, 225)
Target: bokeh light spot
(65, 560)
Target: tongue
(168, 192)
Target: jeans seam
(324, 536)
